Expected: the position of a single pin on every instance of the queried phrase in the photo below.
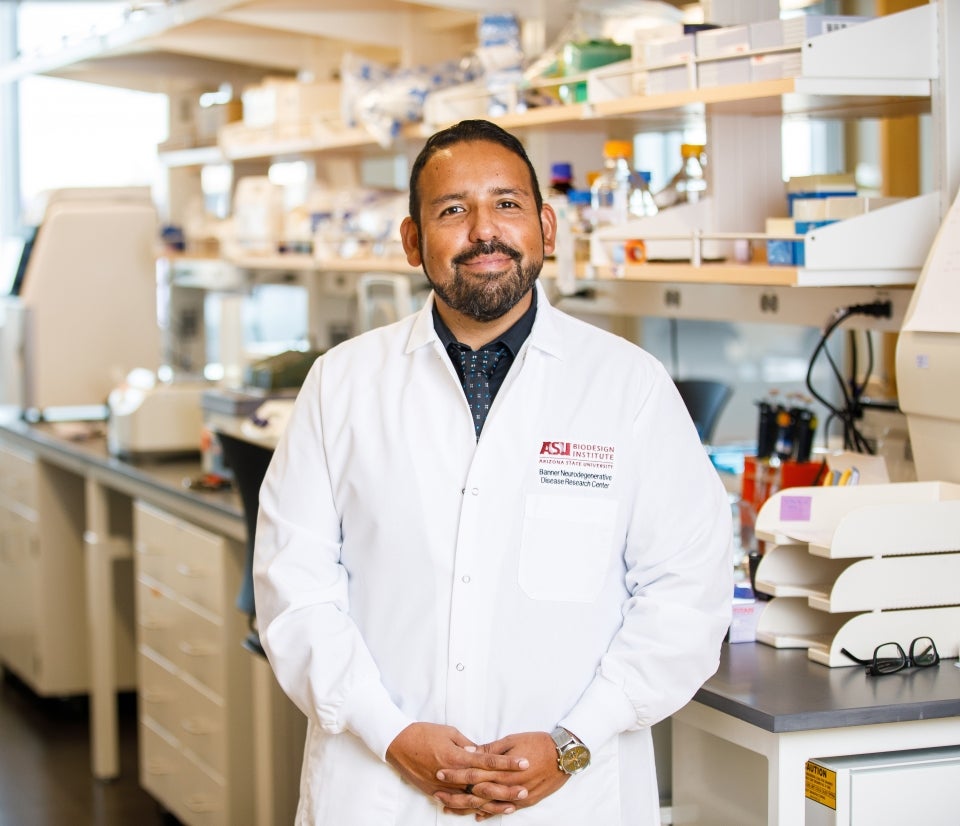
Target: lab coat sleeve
(679, 574)
(316, 650)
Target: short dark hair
(464, 132)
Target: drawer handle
(193, 649)
(199, 803)
(184, 569)
(159, 766)
(197, 726)
(154, 624)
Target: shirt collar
(512, 339)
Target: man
(472, 602)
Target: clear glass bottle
(581, 222)
(642, 202)
(689, 185)
(610, 192)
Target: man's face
(482, 239)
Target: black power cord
(850, 412)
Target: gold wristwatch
(572, 756)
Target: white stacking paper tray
(789, 622)
(855, 567)
(843, 585)
(864, 520)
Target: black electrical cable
(853, 439)
(838, 318)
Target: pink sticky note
(795, 508)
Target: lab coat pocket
(565, 547)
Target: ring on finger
(468, 788)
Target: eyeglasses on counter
(889, 657)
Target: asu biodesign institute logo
(576, 464)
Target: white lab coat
(573, 567)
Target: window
(72, 133)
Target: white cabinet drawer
(188, 639)
(186, 558)
(160, 692)
(198, 575)
(201, 728)
(161, 763)
(196, 798)
(198, 649)
(202, 801)
(194, 675)
(156, 619)
(18, 477)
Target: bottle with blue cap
(561, 178)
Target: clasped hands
(497, 778)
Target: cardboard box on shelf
(286, 101)
(210, 120)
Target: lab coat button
(465, 578)
(460, 666)
(475, 491)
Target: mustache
(486, 248)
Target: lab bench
(219, 743)
(739, 748)
(741, 745)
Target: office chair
(705, 400)
(249, 464)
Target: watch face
(575, 759)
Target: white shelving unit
(857, 72)
(855, 567)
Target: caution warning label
(821, 785)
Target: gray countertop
(781, 690)
(778, 690)
(163, 482)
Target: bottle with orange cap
(610, 193)
(689, 185)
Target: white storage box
(729, 40)
(723, 72)
(838, 208)
(766, 34)
(775, 66)
(798, 29)
(672, 79)
(611, 82)
(665, 52)
(467, 100)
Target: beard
(492, 296)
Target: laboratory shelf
(852, 73)
(764, 275)
(191, 156)
(883, 247)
